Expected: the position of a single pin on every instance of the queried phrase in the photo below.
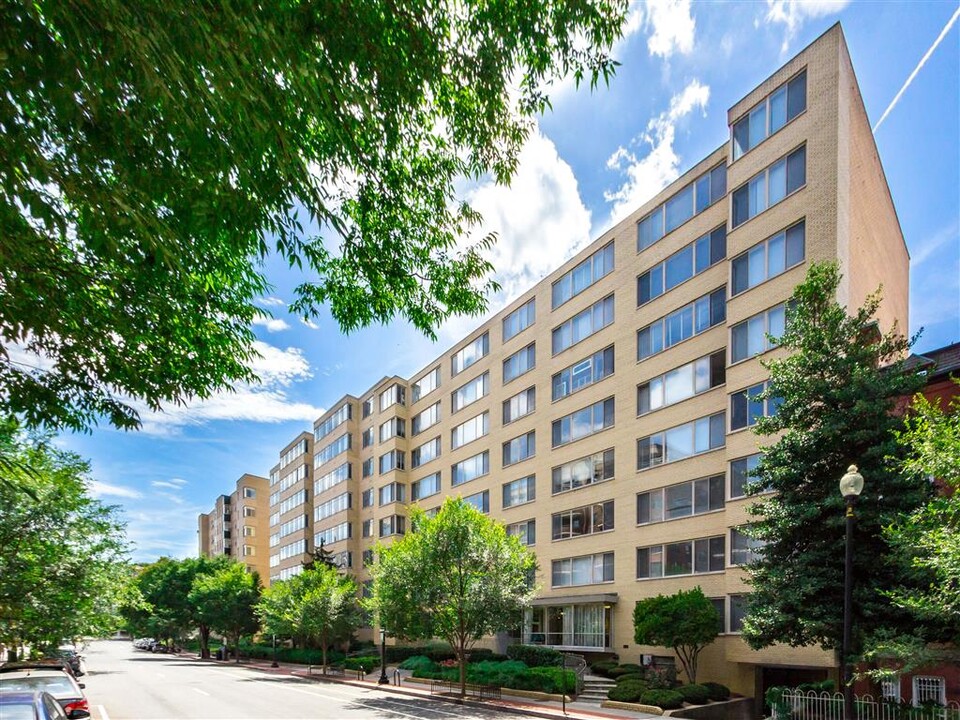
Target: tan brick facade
(239, 525)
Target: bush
(629, 691)
(535, 655)
(618, 671)
(368, 663)
(717, 691)
(554, 680)
(694, 694)
(417, 662)
(666, 699)
(632, 677)
(631, 667)
(603, 667)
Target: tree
(321, 557)
(457, 576)
(319, 604)
(155, 155)
(686, 622)
(226, 599)
(835, 387)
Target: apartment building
(239, 525)
(604, 416)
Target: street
(127, 684)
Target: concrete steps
(595, 689)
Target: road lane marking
(202, 692)
(103, 712)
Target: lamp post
(274, 663)
(384, 680)
(851, 485)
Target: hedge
(368, 663)
(304, 656)
(694, 694)
(666, 699)
(505, 673)
(618, 671)
(418, 662)
(628, 677)
(629, 691)
(535, 655)
(717, 691)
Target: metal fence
(813, 705)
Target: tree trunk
(462, 657)
(204, 642)
(236, 646)
(323, 650)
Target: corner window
(769, 187)
(769, 115)
(768, 259)
(520, 319)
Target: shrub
(603, 667)
(717, 691)
(629, 691)
(535, 655)
(417, 662)
(666, 699)
(632, 667)
(694, 694)
(661, 678)
(554, 679)
(619, 670)
(368, 663)
(632, 677)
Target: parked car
(47, 664)
(70, 654)
(34, 706)
(59, 683)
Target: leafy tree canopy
(225, 600)
(457, 576)
(838, 383)
(686, 622)
(154, 153)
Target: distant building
(239, 525)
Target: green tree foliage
(62, 553)
(456, 576)
(318, 604)
(838, 382)
(686, 622)
(154, 153)
(225, 601)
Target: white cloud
(310, 323)
(101, 489)
(163, 529)
(271, 324)
(270, 301)
(794, 13)
(650, 173)
(173, 484)
(673, 27)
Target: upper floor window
(583, 422)
(426, 418)
(367, 407)
(470, 469)
(678, 443)
(520, 405)
(682, 265)
(583, 325)
(366, 530)
(480, 500)
(770, 186)
(426, 385)
(520, 319)
(583, 471)
(472, 429)
(366, 438)
(343, 413)
(294, 501)
(742, 475)
(293, 453)
(393, 460)
(689, 557)
(586, 520)
(520, 491)
(755, 334)
(289, 480)
(366, 499)
(746, 407)
(423, 454)
(768, 259)
(249, 512)
(331, 507)
(682, 500)
(691, 200)
(585, 570)
(471, 392)
(393, 395)
(340, 445)
(393, 525)
(770, 114)
(343, 531)
(332, 478)
(693, 319)
(743, 548)
(425, 487)
(526, 531)
(520, 362)
(520, 448)
(467, 356)
(682, 383)
(583, 373)
(571, 284)
(393, 492)
(367, 467)
(394, 427)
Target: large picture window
(774, 256)
(769, 115)
(678, 443)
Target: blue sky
(593, 158)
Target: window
(295, 548)
(367, 498)
(583, 422)
(927, 688)
(249, 531)
(333, 535)
(368, 467)
(693, 319)
(393, 395)
(425, 487)
(394, 492)
(340, 445)
(583, 471)
(583, 325)
(682, 265)
(770, 114)
(471, 392)
(332, 507)
(367, 558)
(520, 362)
(291, 479)
(520, 319)
(582, 373)
(249, 512)
(768, 259)
(520, 491)
(367, 407)
(293, 453)
(343, 559)
(682, 383)
(467, 432)
(367, 528)
(467, 356)
(342, 414)
(746, 407)
(480, 500)
(249, 551)
(683, 441)
(274, 476)
(292, 526)
(750, 337)
(720, 605)
(691, 200)
(367, 438)
(423, 454)
(274, 541)
(249, 492)
(520, 405)
(586, 520)
(890, 689)
(689, 557)
(742, 476)
(571, 284)
(426, 385)
(769, 187)
(295, 500)
(526, 531)
(274, 519)
(738, 611)
(393, 525)
(393, 460)
(394, 427)
(470, 469)
(585, 570)
(743, 548)
(682, 500)
(425, 419)
(520, 448)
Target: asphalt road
(127, 684)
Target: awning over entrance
(606, 598)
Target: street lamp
(383, 659)
(274, 663)
(851, 485)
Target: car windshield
(56, 686)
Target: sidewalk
(525, 706)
